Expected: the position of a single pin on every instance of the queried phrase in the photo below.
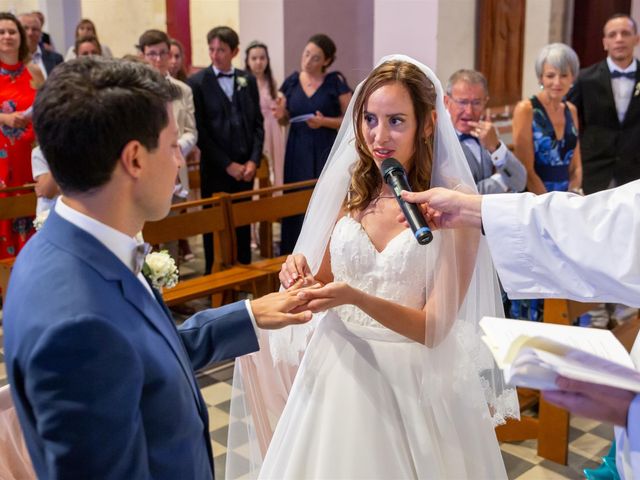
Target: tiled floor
(589, 440)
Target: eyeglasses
(476, 104)
(153, 55)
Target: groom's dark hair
(89, 109)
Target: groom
(102, 381)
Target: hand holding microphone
(395, 176)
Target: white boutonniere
(38, 222)
(242, 82)
(160, 269)
(637, 90)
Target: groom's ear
(131, 158)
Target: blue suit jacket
(102, 380)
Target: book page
(502, 332)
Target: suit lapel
(83, 245)
(634, 102)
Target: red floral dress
(16, 94)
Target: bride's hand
(295, 267)
(331, 295)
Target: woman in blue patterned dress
(545, 127)
(545, 136)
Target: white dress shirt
(226, 83)
(622, 87)
(36, 57)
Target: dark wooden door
(589, 17)
(500, 49)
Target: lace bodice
(397, 273)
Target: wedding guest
(18, 81)
(315, 101)
(495, 169)
(88, 45)
(45, 39)
(87, 27)
(230, 129)
(176, 60)
(257, 62)
(45, 59)
(91, 350)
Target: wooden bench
(551, 427)
(209, 215)
(15, 206)
(269, 205)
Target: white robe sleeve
(566, 246)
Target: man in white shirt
(495, 169)
(563, 245)
(102, 380)
(45, 59)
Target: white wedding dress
(360, 406)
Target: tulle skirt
(360, 408)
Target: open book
(533, 354)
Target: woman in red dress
(17, 93)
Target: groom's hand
(295, 268)
(279, 309)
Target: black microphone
(395, 176)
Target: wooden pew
(269, 205)
(15, 206)
(189, 219)
(551, 427)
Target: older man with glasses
(495, 169)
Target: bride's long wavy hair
(366, 180)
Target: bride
(394, 382)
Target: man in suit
(607, 96)
(495, 169)
(45, 59)
(230, 129)
(102, 381)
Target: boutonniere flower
(637, 90)
(160, 269)
(38, 222)
(242, 82)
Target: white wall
(18, 6)
(263, 20)
(205, 15)
(121, 22)
(536, 36)
(456, 37)
(406, 26)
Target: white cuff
(247, 303)
(498, 157)
(498, 178)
